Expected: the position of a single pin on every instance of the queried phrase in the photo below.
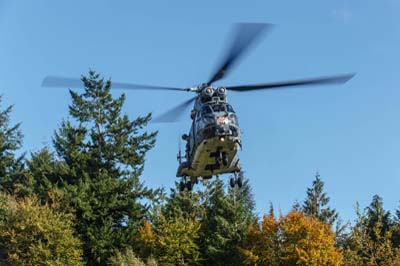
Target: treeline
(82, 202)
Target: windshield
(229, 108)
(206, 110)
(218, 108)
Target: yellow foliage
(35, 234)
(172, 241)
(294, 239)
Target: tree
(177, 241)
(370, 239)
(294, 239)
(128, 258)
(375, 213)
(229, 215)
(316, 203)
(261, 245)
(35, 234)
(102, 153)
(11, 165)
(189, 204)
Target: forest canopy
(82, 201)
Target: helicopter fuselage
(213, 139)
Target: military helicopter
(213, 140)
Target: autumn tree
(261, 245)
(36, 234)
(316, 203)
(101, 155)
(294, 239)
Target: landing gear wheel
(232, 182)
(239, 181)
(181, 186)
(189, 185)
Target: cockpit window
(206, 110)
(229, 108)
(218, 108)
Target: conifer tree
(370, 241)
(375, 213)
(103, 153)
(11, 166)
(189, 204)
(229, 215)
(316, 203)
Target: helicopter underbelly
(204, 159)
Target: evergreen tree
(316, 203)
(102, 153)
(229, 215)
(43, 173)
(370, 241)
(375, 213)
(189, 204)
(11, 166)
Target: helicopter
(213, 140)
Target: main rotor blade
(175, 113)
(244, 35)
(329, 80)
(60, 82)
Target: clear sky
(349, 133)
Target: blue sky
(349, 133)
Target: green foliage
(128, 258)
(377, 217)
(101, 153)
(228, 217)
(370, 241)
(35, 234)
(188, 204)
(316, 203)
(11, 166)
(176, 241)
(84, 203)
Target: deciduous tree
(36, 234)
(294, 239)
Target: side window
(229, 108)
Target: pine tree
(103, 154)
(316, 203)
(375, 213)
(189, 204)
(370, 241)
(229, 215)
(11, 166)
